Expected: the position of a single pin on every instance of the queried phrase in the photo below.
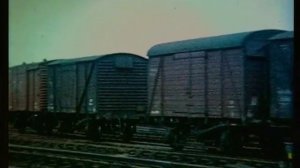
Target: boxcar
(214, 77)
(281, 55)
(215, 86)
(27, 91)
(112, 86)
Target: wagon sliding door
(62, 88)
(176, 85)
(86, 87)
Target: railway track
(127, 160)
(137, 139)
(104, 153)
(93, 159)
(191, 146)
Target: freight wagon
(231, 90)
(215, 87)
(106, 91)
(27, 91)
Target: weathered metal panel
(18, 88)
(179, 96)
(27, 87)
(153, 86)
(17, 85)
(220, 42)
(210, 82)
(63, 88)
(43, 90)
(281, 73)
(205, 43)
(111, 85)
(197, 84)
(176, 83)
(122, 87)
(37, 87)
(86, 87)
(214, 84)
(256, 87)
(233, 83)
(33, 90)
(70, 91)
(51, 88)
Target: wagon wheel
(127, 133)
(99, 131)
(94, 130)
(272, 146)
(177, 139)
(20, 127)
(50, 123)
(20, 123)
(230, 143)
(225, 144)
(36, 122)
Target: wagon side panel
(122, 85)
(154, 83)
(175, 89)
(233, 83)
(63, 88)
(281, 56)
(86, 87)
(19, 88)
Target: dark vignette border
(4, 159)
(296, 85)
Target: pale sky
(53, 29)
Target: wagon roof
(87, 59)
(33, 65)
(285, 35)
(206, 43)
